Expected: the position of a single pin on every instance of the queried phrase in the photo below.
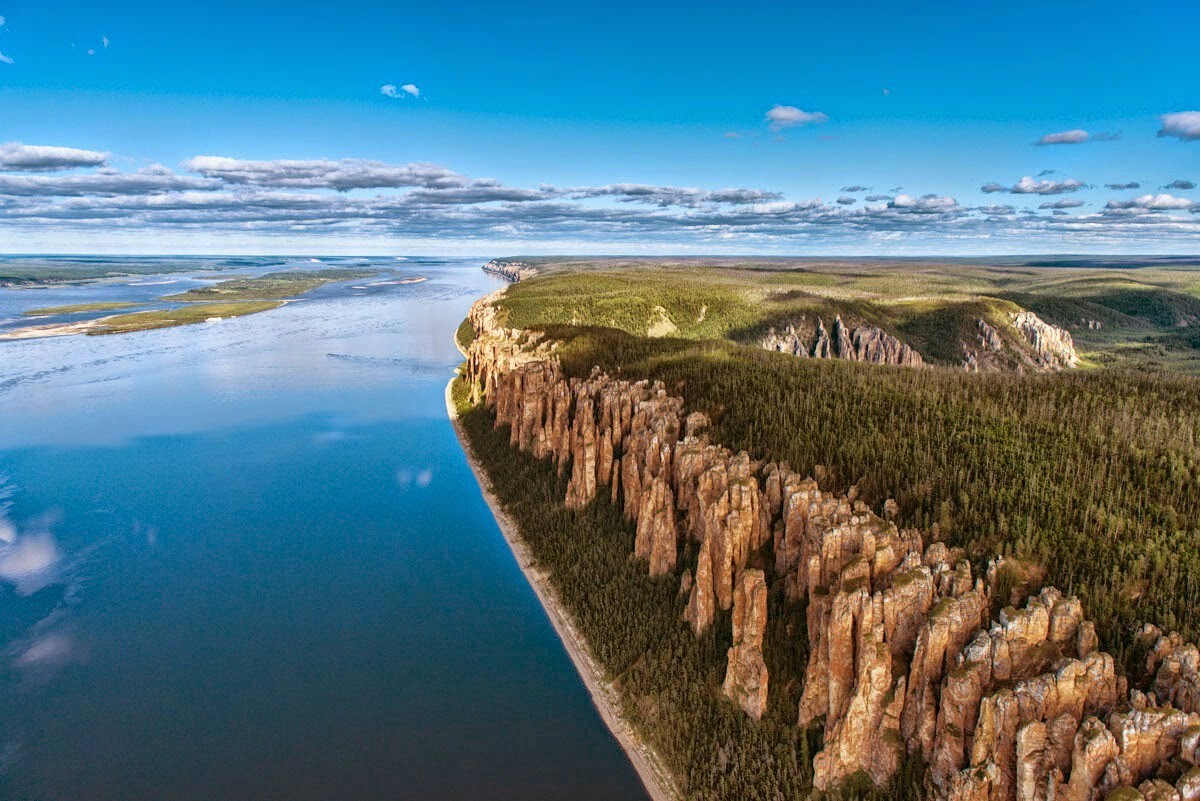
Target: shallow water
(247, 560)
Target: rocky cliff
(905, 657)
(1052, 346)
(862, 343)
(512, 270)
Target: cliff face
(1049, 347)
(1052, 346)
(905, 659)
(861, 344)
(512, 270)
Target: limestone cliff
(905, 658)
(863, 343)
(1052, 346)
(511, 270)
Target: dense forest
(1092, 477)
(1088, 480)
(670, 681)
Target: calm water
(246, 560)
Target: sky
(876, 128)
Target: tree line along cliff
(911, 654)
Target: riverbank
(604, 695)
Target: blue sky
(570, 127)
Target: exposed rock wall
(905, 658)
(863, 343)
(1052, 346)
(746, 676)
(511, 270)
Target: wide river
(247, 560)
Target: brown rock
(746, 675)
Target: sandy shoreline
(604, 696)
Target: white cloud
(5, 59)
(156, 179)
(926, 204)
(343, 175)
(1163, 202)
(406, 90)
(1061, 204)
(104, 41)
(274, 201)
(1181, 124)
(1073, 137)
(2, 21)
(781, 117)
(1032, 186)
(16, 156)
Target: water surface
(247, 560)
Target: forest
(1088, 479)
(669, 680)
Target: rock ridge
(905, 657)
(863, 343)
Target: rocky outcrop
(905, 659)
(746, 674)
(510, 270)
(863, 343)
(1052, 346)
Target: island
(235, 297)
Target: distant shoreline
(604, 696)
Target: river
(247, 560)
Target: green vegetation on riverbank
(269, 286)
(465, 335)
(79, 308)
(185, 315)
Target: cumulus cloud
(668, 195)
(354, 198)
(780, 117)
(1075, 136)
(1123, 186)
(925, 204)
(5, 59)
(343, 175)
(1163, 202)
(15, 156)
(105, 183)
(1031, 186)
(1181, 183)
(405, 90)
(1062, 204)
(1181, 125)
